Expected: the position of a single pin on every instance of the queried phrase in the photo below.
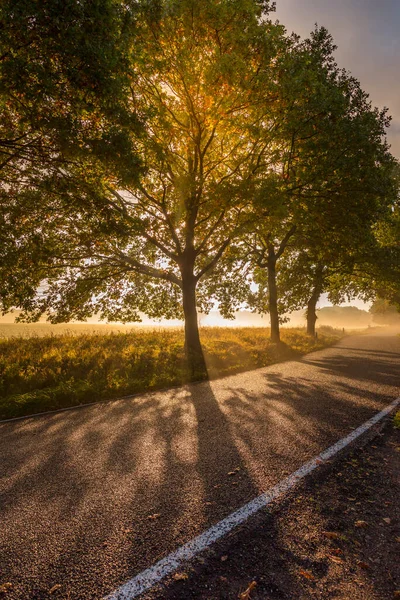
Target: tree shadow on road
(125, 482)
(362, 365)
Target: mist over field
(338, 317)
(349, 317)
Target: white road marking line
(145, 580)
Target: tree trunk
(311, 314)
(273, 297)
(312, 303)
(193, 349)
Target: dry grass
(39, 373)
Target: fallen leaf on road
(153, 517)
(387, 520)
(180, 576)
(364, 565)
(337, 560)
(361, 524)
(224, 558)
(306, 574)
(332, 535)
(396, 594)
(5, 587)
(398, 539)
(246, 594)
(55, 588)
(234, 471)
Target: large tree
(107, 244)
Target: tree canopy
(64, 76)
(159, 156)
(337, 178)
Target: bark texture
(273, 297)
(312, 302)
(193, 350)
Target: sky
(367, 35)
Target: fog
(349, 317)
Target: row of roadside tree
(159, 157)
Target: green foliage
(104, 242)
(337, 179)
(373, 272)
(50, 372)
(64, 73)
(66, 130)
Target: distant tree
(344, 263)
(343, 316)
(385, 313)
(373, 268)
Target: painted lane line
(145, 580)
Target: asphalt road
(91, 497)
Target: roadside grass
(396, 420)
(51, 372)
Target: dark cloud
(367, 35)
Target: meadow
(89, 363)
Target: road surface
(91, 497)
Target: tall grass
(50, 372)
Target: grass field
(45, 372)
(45, 329)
